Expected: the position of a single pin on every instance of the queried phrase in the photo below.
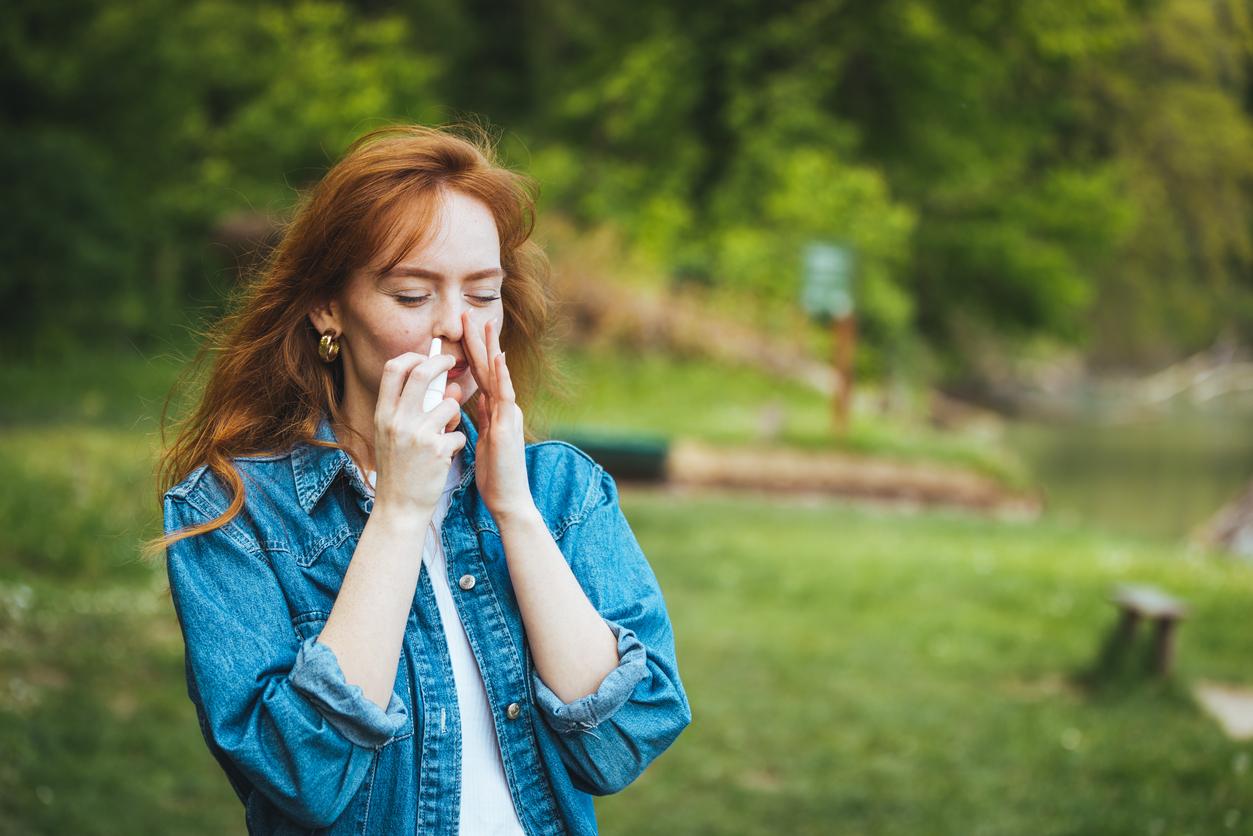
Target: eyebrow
(420, 273)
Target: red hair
(267, 387)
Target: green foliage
(1178, 116)
(139, 126)
(286, 90)
(806, 194)
(1080, 171)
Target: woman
(400, 620)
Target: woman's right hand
(412, 452)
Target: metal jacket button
(466, 582)
(513, 711)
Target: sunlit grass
(75, 499)
(895, 673)
(865, 673)
(849, 670)
(97, 731)
(673, 397)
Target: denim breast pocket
(319, 562)
(311, 623)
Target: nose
(448, 319)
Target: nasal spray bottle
(434, 394)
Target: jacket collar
(314, 468)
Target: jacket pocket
(307, 552)
(314, 569)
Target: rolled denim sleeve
(609, 737)
(278, 711)
(317, 675)
(615, 689)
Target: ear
(325, 317)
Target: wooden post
(845, 339)
(1120, 638)
(1164, 646)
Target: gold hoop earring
(328, 347)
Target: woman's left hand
(500, 454)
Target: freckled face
(423, 297)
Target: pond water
(1159, 476)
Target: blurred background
(911, 329)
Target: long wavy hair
(267, 388)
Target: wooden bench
(1138, 603)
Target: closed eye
(417, 300)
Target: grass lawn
(849, 670)
(661, 395)
(857, 672)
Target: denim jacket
(306, 751)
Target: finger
(495, 344)
(395, 373)
(455, 441)
(419, 381)
(476, 350)
(441, 415)
(493, 348)
(453, 391)
(484, 414)
(506, 382)
(477, 353)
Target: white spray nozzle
(435, 392)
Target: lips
(457, 370)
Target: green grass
(849, 670)
(74, 500)
(856, 672)
(673, 397)
(107, 389)
(97, 731)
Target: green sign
(828, 281)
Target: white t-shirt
(486, 806)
